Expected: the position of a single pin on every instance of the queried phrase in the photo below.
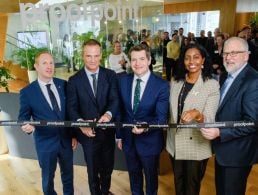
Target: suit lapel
(101, 85)
(128, 91)
(176, 88)
(86, 85)
(41, 96)
(233, 88)
(61, 94)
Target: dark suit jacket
(153, 108)
(237, 147)
(33, 104)
(81, 102)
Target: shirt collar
(144, 78)
(90, 73)
(44, 83)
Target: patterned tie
(137, 92)
(52, 99)
(94, 83)
(224, 87)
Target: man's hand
(88, 131)
(137, 131)
(119, 144)
(74, 143)
(105, 118)
(210, 133)
(28, 128)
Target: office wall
(227, 11)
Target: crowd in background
(169, 46)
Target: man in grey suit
(235, 148)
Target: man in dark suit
(44, 99)
(92, 96)
(235, 148)
(144, 98)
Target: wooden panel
(242, 19)
(7, 6)
(227, 11)
(3, 22)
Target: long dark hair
(181, 71)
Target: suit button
(191, 138)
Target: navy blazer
(81, 102)
(153, 109)
(33, 104)
(238, 146)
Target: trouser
(231, 180)
(188, 175)
(99, 157)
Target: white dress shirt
(43, 88)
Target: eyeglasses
(232, 53)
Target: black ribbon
(226, 124)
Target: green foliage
(5, 75)
(26, 57)
(254, 23)
(85, 37)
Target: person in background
(153, 60)
(92, 95)
(202, 40)
(165, 42)
(144, 99)
(235, 148)
(44, 100)
(217, 58)
(180, 36)
(194, 98)
(173, 52)
(118, 60)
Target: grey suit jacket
(187, 143)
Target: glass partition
(61, 26)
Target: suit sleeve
(72, 101)
(25, 109)
(162, 105)
(113, 98)
(212, 103)
(249, 112)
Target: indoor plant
(26, 58)
(5, 75)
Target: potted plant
(26, 58)
(5, 75)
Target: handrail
(20, 41)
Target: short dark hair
(207, 65)
(91, 42)
(140, 47)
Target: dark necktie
(52, 99)
(137, 92)
(224, 87)
(94, 83)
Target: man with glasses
(235, 148)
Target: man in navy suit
(52, 143)
(150, 104)
(235, 148)
(92, 96)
